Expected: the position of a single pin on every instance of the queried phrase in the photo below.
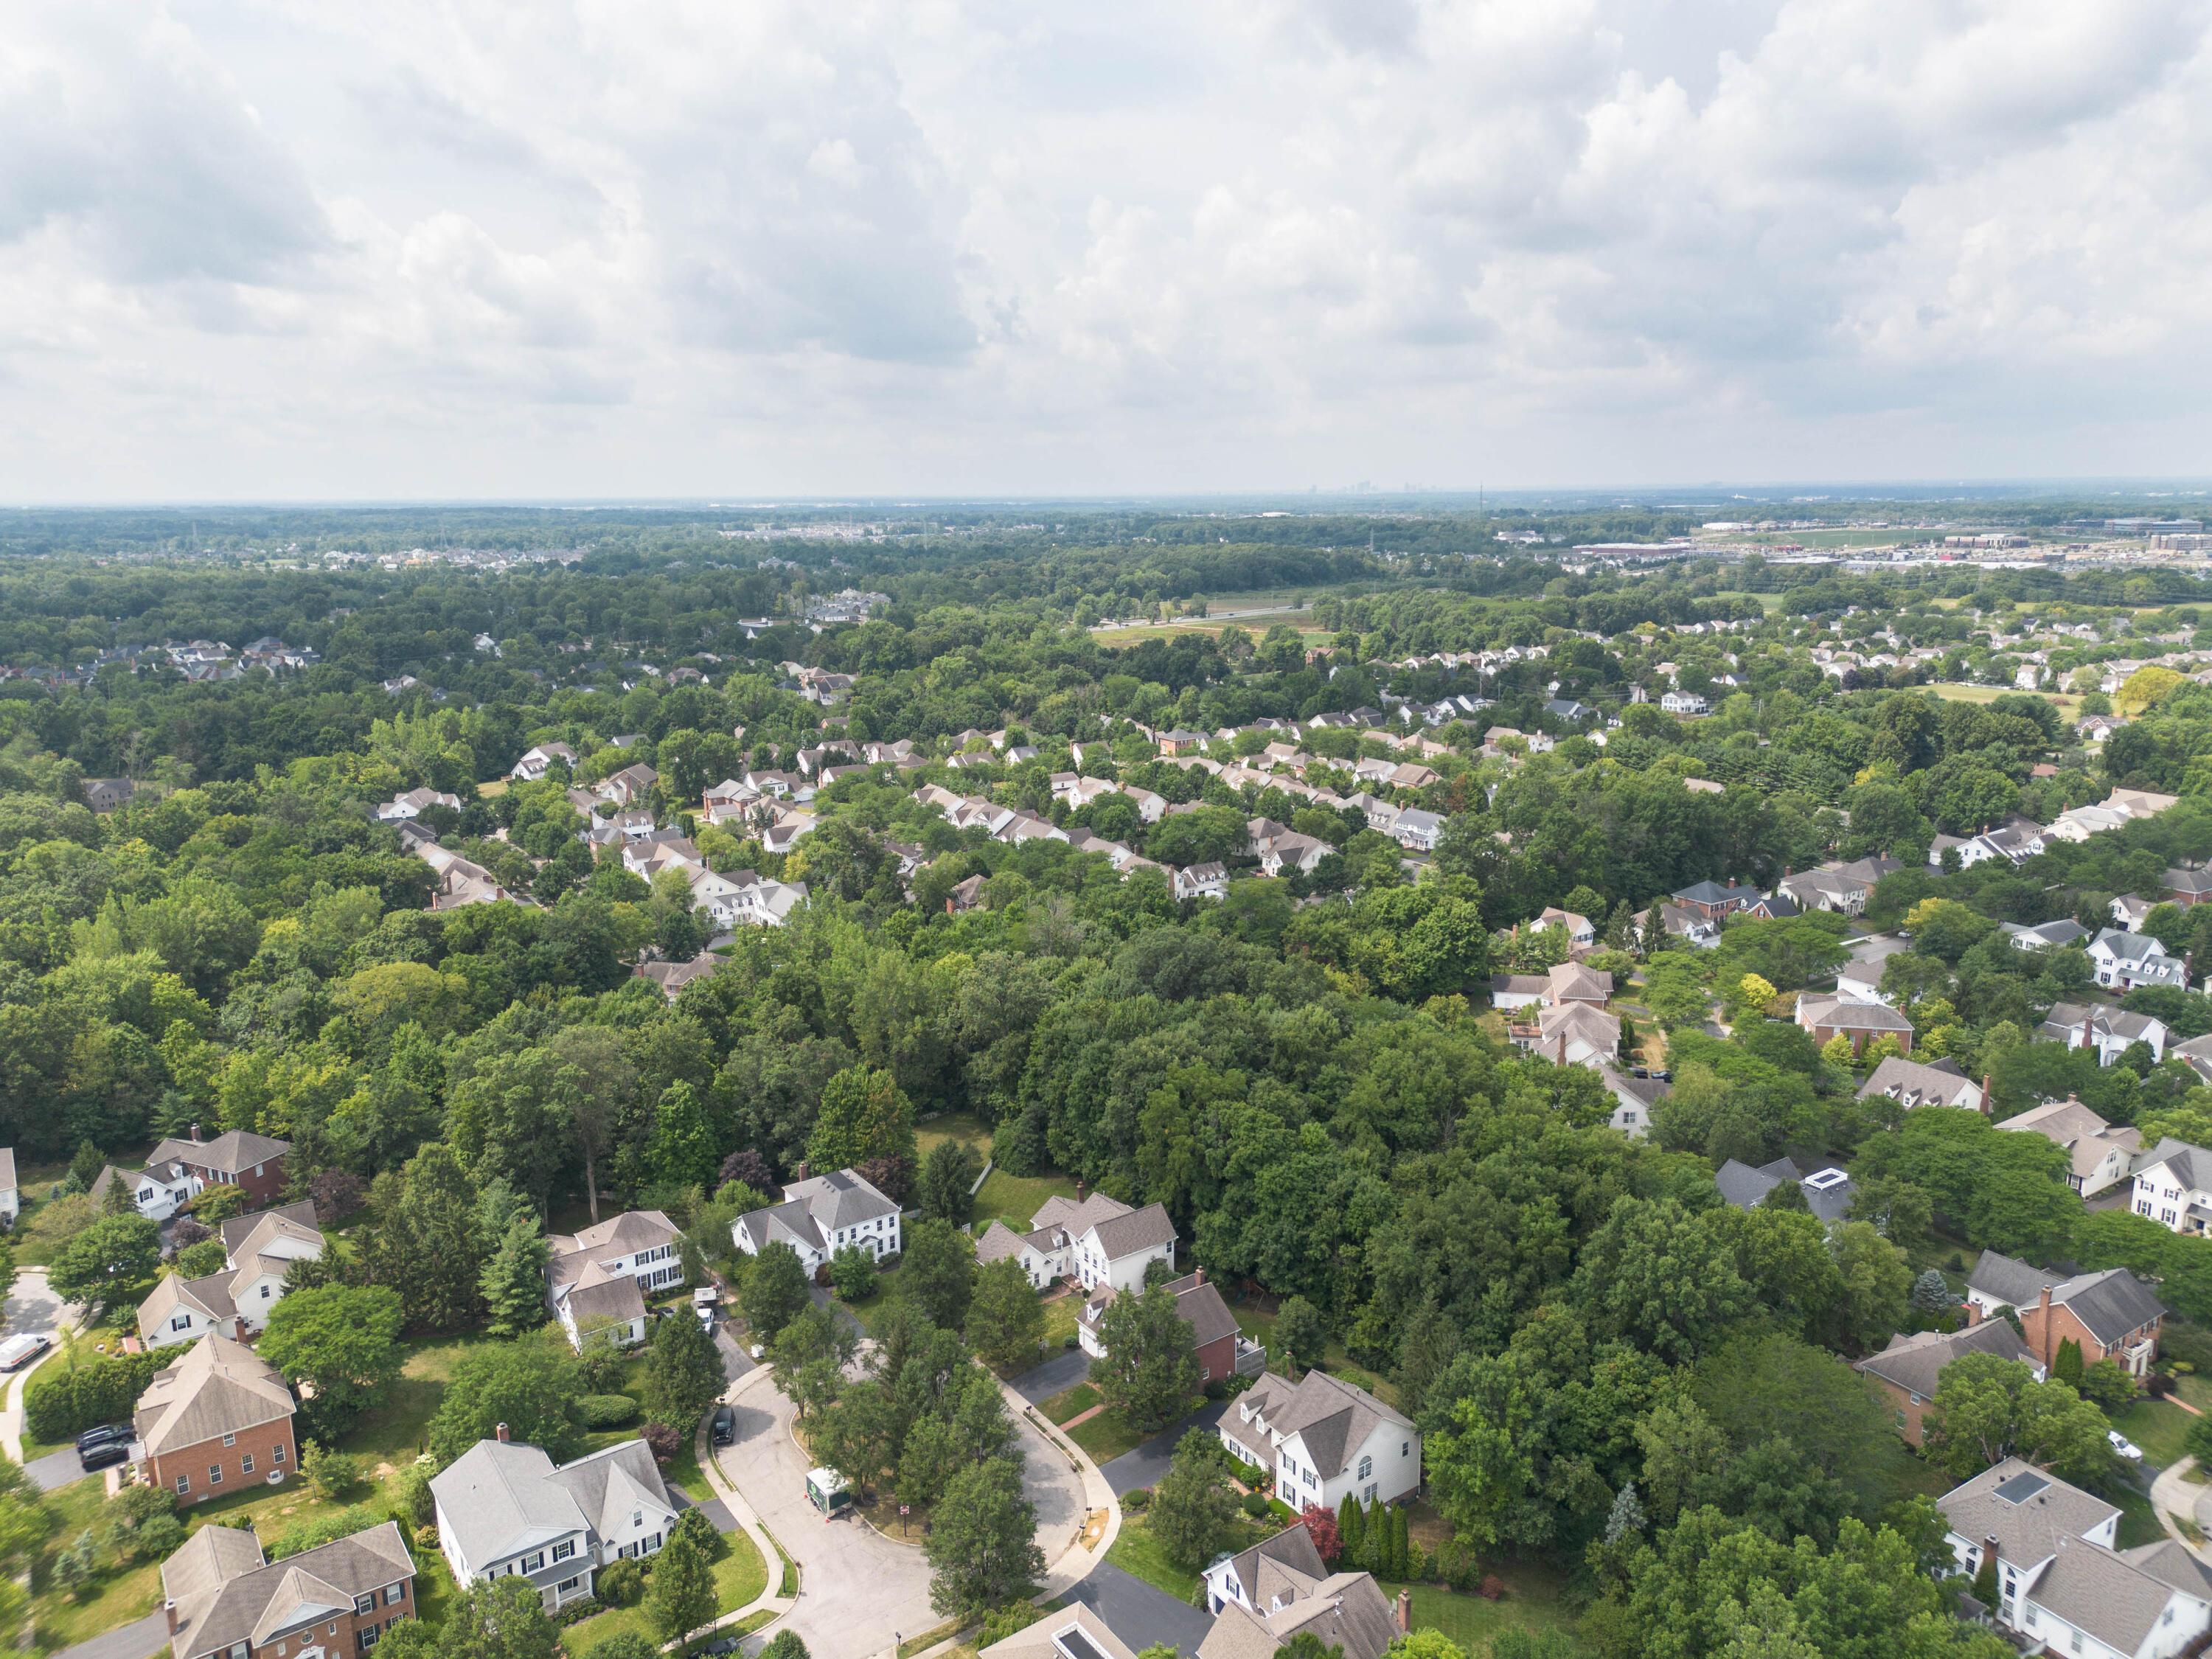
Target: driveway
(61, 1469)
(1145, 1466)
(140, 1639)
(1140, 1614)
(1057, 1374)
(736, 1362)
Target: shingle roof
(1332, 1416)
(499, 1499)
(225, 1594)
(575, 1258)
(2088, 1138)
(1139, 1229)
(1292, 1550)
(1842, 1014)
(2005, 1279)
(1915, 1362)
(2191, 1165)
(234, 1231)
(2100, 1591)
(220, 1386)
(2112, 1303)
(2030, 1518)
(1913, 1083)
(233, 1150)
(1346, 1611)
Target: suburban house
(2122, 961)
(1908, 1370)
(1570, 1034)
(597, 1279)
(1712, 902)
(1843, 889)
(2110, 1031)
(224, 1599)
(1913, 1083)
(1861, 981)
(1281, 1589)
(1581, 933)
(1074, 1632)
(629, 787)
(536, 762)
(1097, 1242)
(11, 1200)
(2062, 1587)
(2099, 1156)
(1633, 1098)
(1223, 1350)
(2186, 886)
(504, 1508)
(1201, 881)
(412, 803)
(176, 1171)
(2046, 936)
(1828, 1193)
(220, 1418)
(2113, 1313)
(258, 1250)
(1827, 1018)
(106, 794)
(1325, 1439)
(1683, 702)
(820, 1216)
(2173, 1185)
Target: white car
(702, 1304)
(2126, 1447)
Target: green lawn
(1258, 1325)
(1069, 1402)
(739, 1576)
(1015, 1198)
(1136, 1552)
(2158, 1428)
(2139, 1523)
(1059, 1322)
(1532, 1601)
(1106, 1436)
(963, 1127)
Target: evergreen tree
(679, 1596)
(426, 1245)
(1424, 1354)
(1931, 1293)
(1347, 1527)
(982, 1540)
(683, 1152)
(513, 1279)
(2066, 1365)
(683, 1373)
(1627, 1518)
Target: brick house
(1826, 1018)
(1908, 1370)
(2113, 1313)
(1710, 901)
(222, 1597)
(1222, 1349)
(220, 1418)
(237, 1157)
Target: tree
(982, 1541)
(1674, 990)
(1301, 1333)
(784, 1645)
(1321, 1526)
(2066, 1365)
(1192, 1511)
(1151, 1372)
(605, 1080)
(528, 1385)
(110, 1263)
(425, 1245)
(1653, 1275)
(774, 1291)
(1483, 1435)
(513, 1284)
(853, 1273)
(679, 1595)
(947, 1174)
(219, 1203)
(682, 1372)
(682, 1153)
(497, 1619)
(1876, 1280)
(938, 1272)
(1986, 1409)
(342, 1343)
(1005, 1319)
(864, 1115)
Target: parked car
(2126, 1447)
(99, 1456)
(702, 1304)
(18, 1351)
(725, 1426)
(104, 1434)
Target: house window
(365, 1603)
(368, 1638)
(215, 1474)
(394, 1594)
(562, 1552)
(637, 1518)
(230, 1440)
(277, 1454)
(183, 1483)
(264, 1292)
(566, 1585)
(532, 1563)
(184, 1321)
(246, 1464)
(1366, 1467)
(1405, 1448)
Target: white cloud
(452, 247)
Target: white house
(2173, 1185)
(2062, 1585)
(259, 1251)
(2110, 1031)
(2099, 1155)
(820, 1216)
(1683, 702)
(2123, 961)
(597, 1279)
(1417, 829)
(2046, 936)
(1102, 1241)
(1201, 881)
(535, 762)
(410, 804)
(1325, 1439)
(504, 1509)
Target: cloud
(465, 246)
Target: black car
(99, 1457)
(103, 1435)
(725, 1426)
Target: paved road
(1140, 1614)
(140, 1639)
(735, 1360)
(1063, 1370)
(1146, 1465)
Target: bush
(852, 1272)
(664, 1441)
(1136, 1497)
(1457, 1565)
(1001, 1622)
(1493, 1588)
(574, 1612)
(620, 1583)
(1256, 1506)
(65, 1399)
(323, 1529)
(2158, 1385)
(330, 1473)
(606, 1411)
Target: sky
(260, 250)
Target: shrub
(330, 1473)
(620, 1583)
(338, 1195)
(1457, 1566)
(852, 1272)
(1493, 1588)
(1256, 1506)
(664, 1441)
(63, 1400)
(574, 1612)
(2158, 1385)
(1001, 1622)
(1136, 1497)
(606, 1411)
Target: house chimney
(2043, 1338)
(196, 1134)
(502, 1436)
(1989, 1108)
(169, 1616)
(1197, 1275)
(1404, 1612)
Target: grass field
(739, 1576)
(1015, 1198)
(2158, 1428)
(1069, 1403)
(963, 1127)
(1532, 1601)
(2066, 703)
(1137, 1552)
(1258, 1324)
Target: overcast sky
(654, 247)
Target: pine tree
(683, 1373)
(1347, 1527)
(2066, 1365)
(1627, 1518)
(513, 1279)
(680, 1597)
(683, 1152)
(1401, 1543)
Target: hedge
(64, 1399)
(606, 1411)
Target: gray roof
(226, 1593)
(2064, 931)
(2004, 1279)
(1914, 1082)
(2127, 947)
(2028, 1516)
(499, 1499)
(234, 1231)
(1843, 1014)
(1915, 1362)
(1289, 1553)
(2112, 1303)
(2191, 1165)
(2106, 1593)
(1333, 1416)
(1346, 1611)
(815, 1208)
(233, 1150)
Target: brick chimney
(196, 1134)
(169, 1616)
(502, 1435)
(1404, 1612)
(1197, 1275)
(2043, 1338)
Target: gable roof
(234, 1231)
(499, 1499)
(2026, 1509)
(1331, 1416)
(1915, 1083)
(2190, 1165)
(1290, 1555)
(233, 1150)
(2088, 1138)
(1915, 1361)
(2106, 1594)
(1843, 1014)
(225, 1592)
(219, 1387)
(1346, 1611)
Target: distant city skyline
(984, 249)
